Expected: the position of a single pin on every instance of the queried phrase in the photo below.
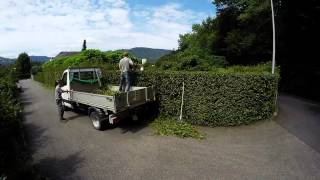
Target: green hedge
(14, 155)
(211, 98)
(48, 77)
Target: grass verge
(171, 127)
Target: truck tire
(97, 123)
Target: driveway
(286, 147)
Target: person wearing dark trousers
(125, 65)
(59, 101)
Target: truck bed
(118, 102)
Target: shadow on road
(26, 113)
(25, 103)
(37, 139)
(149, 113)
(75, 114)
(145, 117)
(300, 118)
(128, 125)
(60, 168)
(315, 109)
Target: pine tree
(84, 45)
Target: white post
(274, 39)
(274, 53)
(180, 118)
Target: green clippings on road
(171, 127)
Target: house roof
(66, 53)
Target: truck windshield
(84, 77)
(87, 75)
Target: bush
(49, 76)
(35, 69)
(14, 156)
(212, 99)
(190, 61)
(88, 58)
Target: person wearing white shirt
(125, 65)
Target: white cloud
(45, 27)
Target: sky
(46, 27)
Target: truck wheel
(96, 121)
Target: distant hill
(6, 61)
(151, 54)
(39, 58)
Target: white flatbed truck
(102, 109)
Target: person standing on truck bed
(125, 65)
(58, 96)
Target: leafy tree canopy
(23, 64)
(89, 58)
(241, 32)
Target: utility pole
(274, 39)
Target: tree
(23, 65)
(84, 45)
(241, 32)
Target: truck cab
(79, 79)
(81, 84)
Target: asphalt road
(286, 147)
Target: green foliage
(170, 127)
(49, 76)
(88, 58)
(23, 65)
(13, 153)
(195, 51)
(35, 69)
(52, 70)
(221, 98)
(241, 32)
(190, 61)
